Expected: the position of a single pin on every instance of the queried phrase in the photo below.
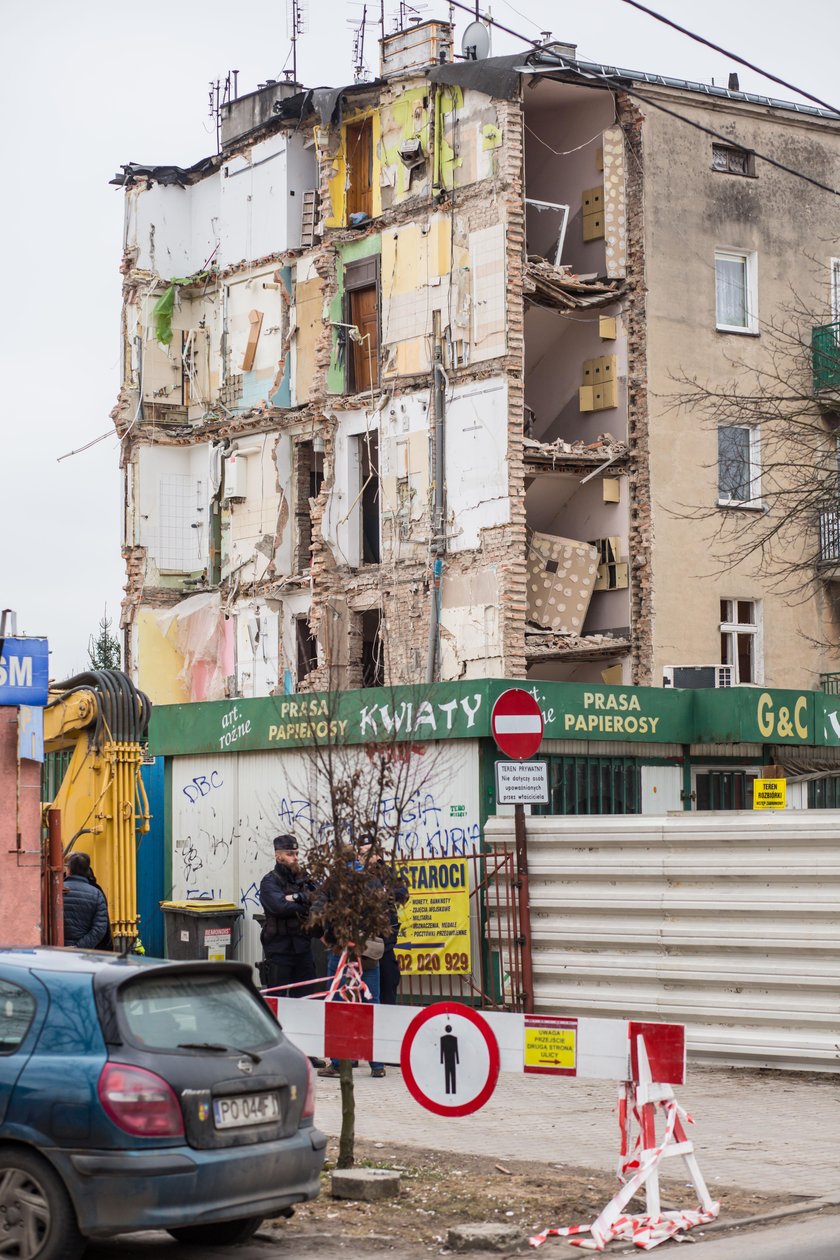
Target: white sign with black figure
(450, 1059)
(521, 782)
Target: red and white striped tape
(649, 1229)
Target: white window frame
(749, 257)
(834, 264)
(756, 629)
(754, 501)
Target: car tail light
(309, 1101)
(139, 1102)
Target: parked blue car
(140, 1094)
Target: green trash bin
(201, 929)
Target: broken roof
(544, 59)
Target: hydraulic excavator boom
(103, 718)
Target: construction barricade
(451, 1055)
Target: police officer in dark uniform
(286, 895)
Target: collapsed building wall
(330, 442)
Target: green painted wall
(368, 247)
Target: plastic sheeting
(198, 629)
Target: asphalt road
(814, 1238)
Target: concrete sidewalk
(763, 1131)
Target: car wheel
(224, 1234)
(37, 1221)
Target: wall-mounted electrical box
(592, 208)
(236, 477)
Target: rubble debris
(543, 644)
(605, 447)
(560, 289)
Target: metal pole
(55, 878)
(524, 907)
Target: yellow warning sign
(770, 794)
(550, 1045)
(434, 932)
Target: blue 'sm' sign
(24, 671)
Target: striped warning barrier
(601, 1049)
(648, 1059)
(638, 1100)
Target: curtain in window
(731, 291)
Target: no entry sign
(450, 1059)
(517, 724)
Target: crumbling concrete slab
(489, 1236)
(367, 1184)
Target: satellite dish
(475, 42)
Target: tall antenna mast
(359, 49)
(221, 93)
(297, 21)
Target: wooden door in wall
(359, 140)
(364, 313)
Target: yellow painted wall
(338, 179)
(160, 662)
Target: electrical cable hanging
(700, 39)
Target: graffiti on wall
(225, 818)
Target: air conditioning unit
(692, 676)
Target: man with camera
(286, 896)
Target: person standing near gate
(286, 896)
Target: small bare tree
(359, 792)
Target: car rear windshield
(165, 1012)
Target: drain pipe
(439, 508)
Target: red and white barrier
(639, 1166)
(605, 1049)
(647, 1058)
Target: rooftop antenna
(297, 23)
(221, 93)
(359, 49)
(410, 13)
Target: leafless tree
(360, 792)
(782, 496)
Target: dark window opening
(309, 477)
(732, 161)
(307, 648)
(592, 785)
(824, 793)
(724, 789)
(369, 499)
(359, 150)
(373, 655)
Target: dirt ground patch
(440, 1190)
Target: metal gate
(496, 978)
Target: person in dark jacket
(86, 922)
(82, 866)
(286, 895)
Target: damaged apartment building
(395, 379)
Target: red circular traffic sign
(449, 1059)
(517, 724)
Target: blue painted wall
(150, 863)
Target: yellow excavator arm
(103, 718)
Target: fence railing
(825, 356)
(830, 534)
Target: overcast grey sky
(87, 86)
